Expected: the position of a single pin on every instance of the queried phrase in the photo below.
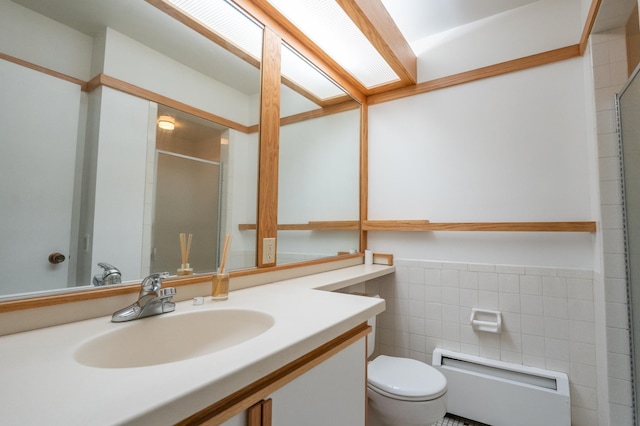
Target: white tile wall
(610, 75)
(548, 319)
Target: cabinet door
(332, 393)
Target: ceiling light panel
(324, 22)
(300, 71)
(227, 21)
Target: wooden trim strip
(92, 293)
(364, 172)
(588, 26)
(246, 397)
(287, 266)
(479, 74)
(123, 86)
(336, 225)
(420, 225)
(327, 225)
(320, 112)
(373, 19)
(44, 70)
(382, 259)
(316, 113)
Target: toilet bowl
(403, 391)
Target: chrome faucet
(152, 300)
(110, 275)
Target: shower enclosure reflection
(187, 192)
(629, 121)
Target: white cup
(368, 257)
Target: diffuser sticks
(185, 248)
(220, 283)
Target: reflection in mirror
(76, 164)
(187, 193)
(318, 179)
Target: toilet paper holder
(486, 320)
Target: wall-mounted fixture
(166, 122)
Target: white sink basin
(172, 337)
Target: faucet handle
(109, 275)
(167, 293)
(153, 282)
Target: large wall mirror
(319, 151)
(89, 174)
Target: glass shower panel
(187, 201)
(629, 121)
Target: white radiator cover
(500, 393)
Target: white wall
(135, 63)
(240, 171)
(318, 180)
(35, 38)
(509, 148)
(120, 183)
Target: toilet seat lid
(406, 377)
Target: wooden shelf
(337, 225)
(425, 225)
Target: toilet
(403, 391)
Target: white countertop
(43, 384)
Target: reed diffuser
(185, 248)
(220, 280)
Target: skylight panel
(226, 20)
(324, 22)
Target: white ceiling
(613, 14)
(418, 19)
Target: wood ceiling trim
(588, 26)
(203, 30)
(44, 70)
(372, 18)
(321, 112)
(479, 74)
(123, 86)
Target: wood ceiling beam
(372, 18)
(589, 23)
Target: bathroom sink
(174, 337)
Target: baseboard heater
(501, 393)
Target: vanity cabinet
(333, 393)
(325, 387)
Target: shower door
(187, 200)
(629, 122)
